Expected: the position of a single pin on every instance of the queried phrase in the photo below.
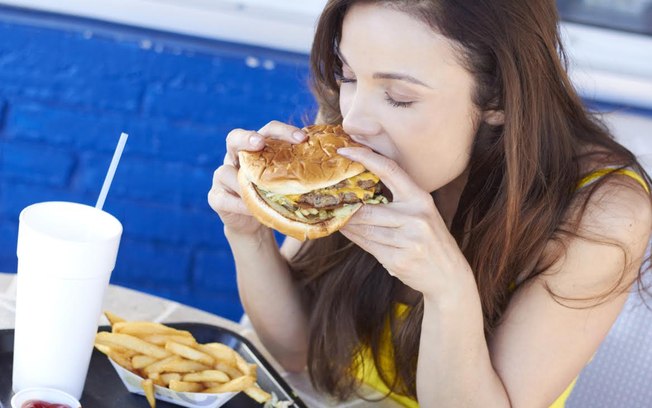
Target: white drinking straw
(109, 174)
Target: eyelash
(397, 104)
(343, 80)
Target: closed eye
(396, 103)
(341, 79)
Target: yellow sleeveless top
(367, 372)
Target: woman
(516, 227)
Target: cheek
(434, 158)
(346, 97)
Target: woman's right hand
(224, 196)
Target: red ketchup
(42, 404)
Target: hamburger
(306, 190)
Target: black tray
(104, 389)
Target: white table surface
(134, 305)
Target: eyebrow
(400, 77)
(388, 75)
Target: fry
(236, 385)
(161, 339)
(116, 355)
(220, 352)
(189, 353)
(161, 365)
(209, 384)
(258, 394)
(182, 386)
(112, 318)
(253, 370)
(186, 366)
(146, 328)
(167, 377)
(207, 376)
(156, 378)
(175, 365)
(121, 359)
(141, 361)
(148, 388)
(229, 369)
(131, 343)
(244, 367)
(105, 349)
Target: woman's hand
(224, 196)
(407, 236)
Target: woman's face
(405, 95)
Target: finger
(222, 201)
(226, 177)
(384, 215)
(228, 160)
(283, 131)
(358, 240)
(375, 249)
(388, 236)
(394, 177)
(241, 139)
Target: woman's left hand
(407, 236)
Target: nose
(358, 118)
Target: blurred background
(177, 75)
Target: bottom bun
(296, 229)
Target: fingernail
(255, 140)
(298, 136)
(344, 151)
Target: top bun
(286, 168)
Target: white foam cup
(66, 252)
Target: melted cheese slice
(351, 187)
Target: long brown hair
(523, 177)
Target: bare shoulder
(555, 322)
(612, 234)
(619, 208)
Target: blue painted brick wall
(66, 93)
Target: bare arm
(541, 345)
(270, 297)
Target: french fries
(166, 357)
(236, 385)
(140, 361)
(130, 342)
(257, 394)
(112, 318)
(184, 386)
(189, 353)
(167, 377)
(148, 387)
(207, 376)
